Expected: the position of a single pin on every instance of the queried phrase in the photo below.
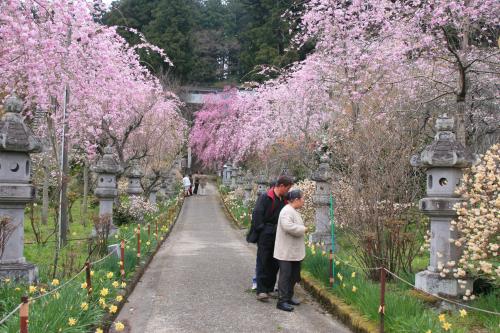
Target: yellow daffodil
(104, 291)
(91, 273)
(55, 282)
(71, 321)
(148, 243)
(340, 276)
(113, 308)
(124, 284)
(442, 317)
(110, 275)
(115, 284)
(102, 301)
(84, 285)
(32, 289)
(354, 289)
(446, 326)
(428, 331)
(17, 289)
(43, 290)
(463, 313)
(99, 330)
(6, 280)
(119, 298)
(84, 306)
(119, 326)
(57, 295)
(353, 274)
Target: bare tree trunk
(64, 192)
(463, 87)
(85, 193)
(45, 191)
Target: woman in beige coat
(290, 249)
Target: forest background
(212, 42)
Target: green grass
(404, 312)
(52, 312)
(241, 213)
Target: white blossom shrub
(136, 210)
(307, 211)
(478, 219)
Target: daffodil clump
(478, 221)
(234, 202)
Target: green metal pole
(332, 225)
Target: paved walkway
(199, 282)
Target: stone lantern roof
(108, 163)
(445, 151)
(151, 178)
(15, 136)
(135, 171)
(261, 179)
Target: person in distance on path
(266, 214)
(290, 249)
(187, 185)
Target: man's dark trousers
(289, 276)
(267, 265)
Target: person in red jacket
(265, 219)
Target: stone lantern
(229, 174)
(16, 144)
(247, 188)
(134, 175)
(240, 178)
(154, 190)
(106, 190)
(262, 185)
(162, 186)
(170, 183)
(443, 161)
(321, 199)
(234, 176)
(224, 174)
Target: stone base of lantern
(322, 238)
(19, 272)
(113, 229)
(433, 283)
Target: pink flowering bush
(135, 210)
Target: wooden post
(149, 231)
(332, 279)
(88, 278)
(381, 309)
(122, 259)
(157, 236)
(138, 241)
(23, 315)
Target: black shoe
(294, 301)
(285, 307)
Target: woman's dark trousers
(289, 276)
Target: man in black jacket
(266, 213)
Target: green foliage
(404, 312)
(211, 41)
(52, 312)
